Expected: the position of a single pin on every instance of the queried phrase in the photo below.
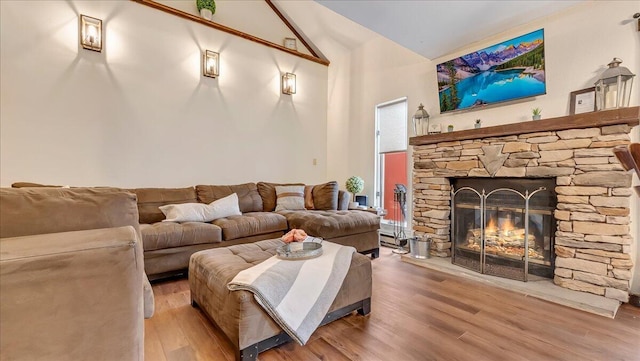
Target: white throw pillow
(199, 212)
(186, 212)
(290, 198)
(225, 207)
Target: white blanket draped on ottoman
(297, 294)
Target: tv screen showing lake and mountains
(512, 69)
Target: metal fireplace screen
(504, 226)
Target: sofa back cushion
(344, 198)
(30, 211)
(150, 199)
(325, 196)
(248, 196)
(33, 185)
(267, 192)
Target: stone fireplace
(592, 241)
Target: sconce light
(210, 64)
(421, 121)
(613, 89)
(288, 83)
(91, 33)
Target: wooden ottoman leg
(248, 354)
(366, 307)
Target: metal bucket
(420, 247)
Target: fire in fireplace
(504, 226)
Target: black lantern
(613, 89)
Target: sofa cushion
(308, 197)
(163, 235)
(332, 223)
(290, 197)
(149, 199)
(200, 212)
(33, 185)
(29, 211)
(248, 196)
(251, 224)
(267, 192)
(325, 196)
(344, 198)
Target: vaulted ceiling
(435, 28)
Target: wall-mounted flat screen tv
(512, 69)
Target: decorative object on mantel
(583, 101)
(435, 128)
(420, 121)
(613, 89)
(291, 43)
(536, 113)
(206, 8)
(354, 185)
(450, 128)
(478, 123)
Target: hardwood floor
(417, 314)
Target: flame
(506, 226)
(491, 226)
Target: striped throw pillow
(289, 198)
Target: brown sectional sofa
(168, 245)
(71, 275)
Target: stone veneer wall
(593, 239)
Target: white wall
(140, 113)
(579, 42)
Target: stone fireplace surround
(593, 241)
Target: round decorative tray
(299, 250)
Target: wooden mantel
(629, 116)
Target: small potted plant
(536, 113)
(478, 123)
(206, 8)
(354, 185)
(450, 128)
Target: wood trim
(229, 30)
(291, 27)
(629, 116)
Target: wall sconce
(91, 33)
(613, 89)
(210, 64)
(288, 83)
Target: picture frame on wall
(583, 101)
(506, 71)
(291, 43)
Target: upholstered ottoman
(238, 315)
(357, 229)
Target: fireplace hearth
(503, 227)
